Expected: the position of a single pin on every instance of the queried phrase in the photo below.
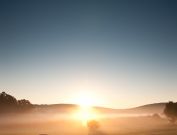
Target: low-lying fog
(66, 124)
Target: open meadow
(36, 125)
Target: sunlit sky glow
(123, 52)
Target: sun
(85, 112)
(85, 101)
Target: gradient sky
(124, 52)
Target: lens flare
(85, 114)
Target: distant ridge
(149, 108)
(144, 109)
(59, 108)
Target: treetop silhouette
(9, 103)
(171, 111)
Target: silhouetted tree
(7, 100)
(93, 126)
(171, 111)
(9, 103)
(24, 102)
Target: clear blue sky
(125, 52)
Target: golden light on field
(86, 112)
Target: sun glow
(86, 112)
(86, 99)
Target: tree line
(9, 103)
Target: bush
(171, 111)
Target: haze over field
(88, 67)
(20, 117)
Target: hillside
(145, 109)
(9, 103)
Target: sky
(122, 52)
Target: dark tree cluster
(9, 103)
(171, 111)
(7, 100)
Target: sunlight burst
(86, 99)
(86, 112)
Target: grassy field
(108, 126)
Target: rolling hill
(145, 109)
